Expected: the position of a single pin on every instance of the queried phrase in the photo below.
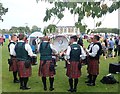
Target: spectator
(110, 48)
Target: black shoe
(21, 87)
(51, 89)
(26, 88)
(45, 88)
(70, 90)
(88, 76)
(91, 84)
(87, 81)
(16, 81)
(74, 90)
(55, 65)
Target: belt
(12, 56)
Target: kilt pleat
(93, 67)
(44, 70)
(14, 66)
(22, 71)
(72, 70)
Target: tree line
(20, 29)
(107, 30)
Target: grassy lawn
(61, 80)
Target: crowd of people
(110, 46)
(21, 54)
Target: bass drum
(60, 43)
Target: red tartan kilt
(72, 70)
(13, 67)
(44, 70)
(22, 71)
(93, 67)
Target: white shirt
(95, 49)
(28, 49)
(37, 41)
(90, 46)
(12, 47)
(82, 56)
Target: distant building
(68, 30)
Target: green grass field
(61, 80)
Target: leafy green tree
(34, 28)
(2, 11)
(81, 9)
(106, 30)
(49, 29)
(27, 29)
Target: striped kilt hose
(14, 66)
(72, 70)
(22, 71)
(44, 70)
(93, 67)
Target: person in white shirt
(93, 62)
(74, 54)
(23, 53)
(12, 61)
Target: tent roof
(36, 34)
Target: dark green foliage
(2, 11)
(82, 9)
(106, 30)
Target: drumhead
(60, 43)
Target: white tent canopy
(36, 34)
(33, 36)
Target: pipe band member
(23, 53)
(12, 61)
(93, 62)
(46, 67)
(74, 53)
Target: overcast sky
(28, 12)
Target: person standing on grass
(93, 62)
(104, 50)
(46, 67)
(110, 47)
(90, 40)
(13, 61)
(74, 54)
(23, 54)
(1, 40)
(119, 49)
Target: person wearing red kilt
(93, 62)
(46, 67)
(23, 54)
(74, 54)
(12, 61)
